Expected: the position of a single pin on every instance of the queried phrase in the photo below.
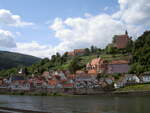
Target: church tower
(126, 32)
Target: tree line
(139, 50)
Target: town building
(76, 52)
(1, 81)
(146, 77)
(97, 65)
(118, 66)
(121, 41)
(127, 79)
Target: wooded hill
(11, 60)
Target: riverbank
(115, 93)
(35, 94)
(140, 89)
(112, 93)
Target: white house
(127, 79)
(146, 77)
(132, 78)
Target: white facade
(146, 78)
(20, 87)
(128, 78)
(132, 78)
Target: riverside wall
(75, 91)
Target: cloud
(134, 12)
(34, 48)
(58, 24)
(6, 39)
(7, 18)
(98, 30)
(84, 32)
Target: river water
(78, 104)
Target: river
(78, 104)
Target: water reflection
(79, 104)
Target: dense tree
(75, 65)
(110, 49)
(87, 51)
(136, 68)
(130, 45)
(141, 50)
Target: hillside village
(104, 72)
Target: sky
(43, 27)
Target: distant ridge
(12, 59)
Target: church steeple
(126, 32)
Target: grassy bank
(140, 87)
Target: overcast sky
(44, 27)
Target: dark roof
(17, 78)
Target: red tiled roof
(63, 80)
(71, 53)
(76, 51)
(96, 61)
(119, 62)
(92, 72)
(68, 85)
(71, 76)
(79, 51)
(52, 82)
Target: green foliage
(94, 50)
(130, 46)
(117, 76)
(87, 51)
(136, 68)
(110, 57)
(140, 87)
(98, 76)
(141, 51)
(111, 50)
(75, 64)
(10, 60)
(114, 39)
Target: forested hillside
(141, 53)
(10, 60)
